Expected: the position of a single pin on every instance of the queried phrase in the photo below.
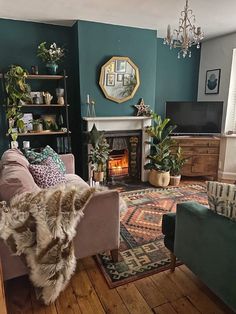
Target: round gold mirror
(119, 79)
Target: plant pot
(175, 180)
(98, 176)
(37, 127)
(159, 178)
(52, 68)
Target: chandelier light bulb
(187, 34)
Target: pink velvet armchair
(98, 231)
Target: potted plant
(159, 156)
(37, 125)
(51, 55)
(176, 163)
(99, 156)
(18, 92)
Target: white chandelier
(186, 35)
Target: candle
(88, 99)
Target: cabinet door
(205, 165)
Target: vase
(52, 68)
(175, 180)
(159, 178)
(98, 176)
(14, 144)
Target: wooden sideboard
(202, 153)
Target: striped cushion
(222, 198)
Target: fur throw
(40, 227)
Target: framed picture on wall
(110, 81)
(212, 83)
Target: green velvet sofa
(206, 243)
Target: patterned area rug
(142, 251)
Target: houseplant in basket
(51, 55)
(159, 156)
(177, 162)
(99, 156)
(18, 92)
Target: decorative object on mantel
(90, 107)
(51, 56)
(186, 35)
(143, 110)
(18, 92)
(212, 83)
(119, 79)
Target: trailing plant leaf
(18, 92)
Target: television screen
(202, 117)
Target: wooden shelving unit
(61, 134)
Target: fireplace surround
(129, 128)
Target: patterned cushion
(37, 158)
(47, 174)
(222, 198)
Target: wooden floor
(88, 293)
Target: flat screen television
(202, 117)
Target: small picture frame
(119, 77)
(110, 81)
(126, 79)
(212, 83)
(27, 118)
(120, 66)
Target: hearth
(124, 159)
(132, 131)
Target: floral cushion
(222, 198)
(37, 158)
(47, 174)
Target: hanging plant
(18, 92)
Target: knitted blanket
(40, 227)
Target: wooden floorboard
(88, 293)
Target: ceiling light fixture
(186, 35)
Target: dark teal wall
(19, 42)
(97, 44)
(176, 79)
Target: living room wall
(19, 42)
(176, 79)
(163, 76)
(98, 42)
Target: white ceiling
(216, 17)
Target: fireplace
(125, 156)
(128, 141)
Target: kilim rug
(142, 251)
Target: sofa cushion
(47, 174)
(38, 157)
(76, 180)
(15, 177)
(222, 198)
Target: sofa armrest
(99, 230)
(69, 161)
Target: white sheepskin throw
(40, 227)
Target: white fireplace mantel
(124, 123)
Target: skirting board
(226, 175)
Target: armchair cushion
(37, 158)
(15, 177)
(222, 198)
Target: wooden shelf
(42, 77)
(42, 133)
(44, 105)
